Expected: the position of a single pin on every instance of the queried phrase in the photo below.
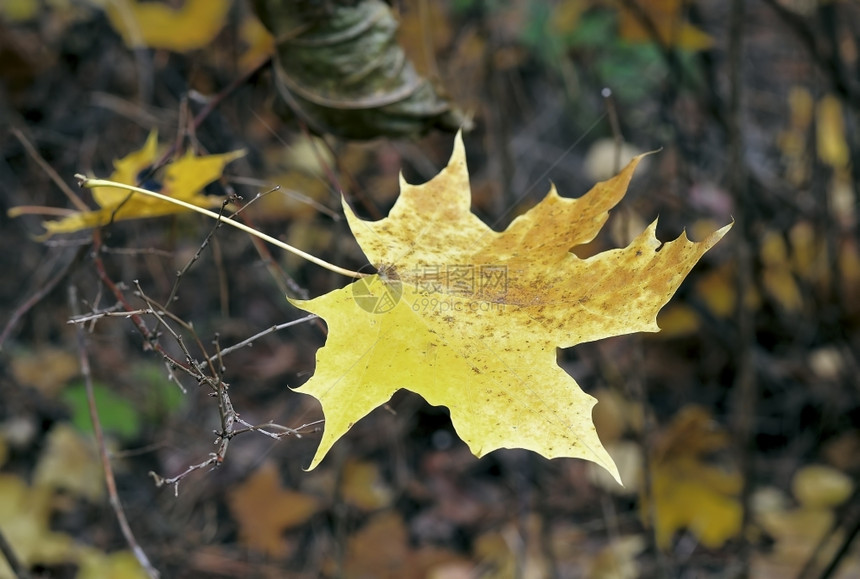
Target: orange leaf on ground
(264, 510)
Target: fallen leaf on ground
(24, 519)
(471, 319)
(183, 179)
(264, 510)
(777, 275)
(832, 146)
(362, 486)
(665, 19)
(70, 462)
(259, 43)
(158, 25)
(618, 559)
(119, 565)
(689, 492)
(46, 369)
(513, 551)
(19, 10)
(820, 486)
(798, 531)
(381, 550)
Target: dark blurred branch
(847, 517)
(39, 294)
(12, 560)
(830, 63)
(745, 388)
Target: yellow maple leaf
(471, 318)
(158, 25)
(183, 179)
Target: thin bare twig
(107, 313)
(257, 336)
(85, 181)
(196, 255)
(150, 339)
(208, 108)
(115, 502)
(55, 177)
(39, 295)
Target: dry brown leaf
(264, 510)
(380, 550)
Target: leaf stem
(84, 181)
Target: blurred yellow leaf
(19, 10)
(422, 32)
(610, 414)
(628, 458)
(689, 492)
(70, 462)
(808, 253)
(566, 15)
(24, 519)
(46, 369)
(821, 486)
(676, 321)
(777, 276)
(362, 486)
(618, 559)
(717, 289)
(667, 19)
(798, 532)
(800, 106)
(502, 553)
(264, 510)
(830, 133)
(260, 46)
(119, 565)
(183, 179)
(793, 141)
(840, 200)
(309, 155)
(158, 25)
